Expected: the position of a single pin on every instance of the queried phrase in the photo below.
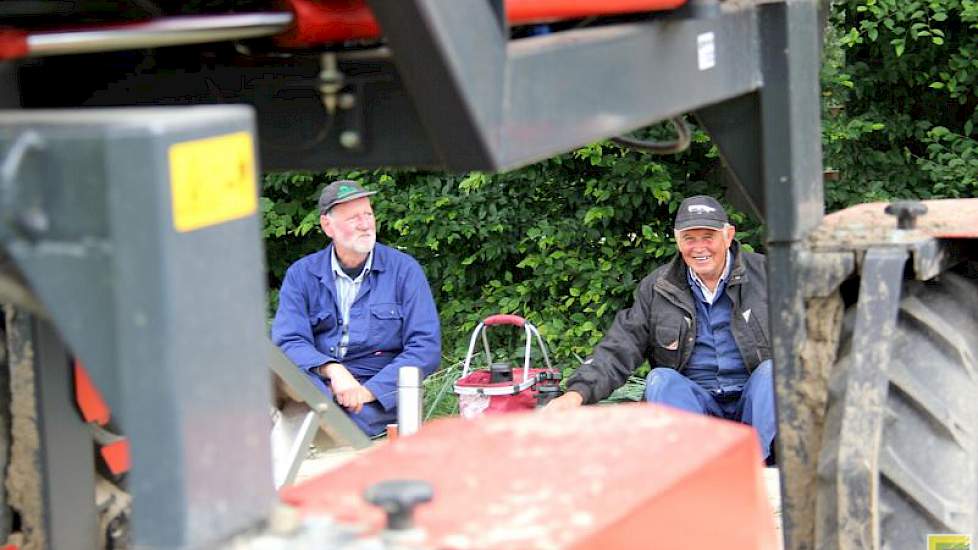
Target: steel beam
(492, 104)
(791, 168)
(66, 457)
(734, 126)
(49, 467)
(790, 118)
(137, 230)
(452, 57)
(557, 95)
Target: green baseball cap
(341, 191)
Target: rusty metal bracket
(823, 272)
(935, 256)
(852, 465)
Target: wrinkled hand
(570, 400)
(347, 391)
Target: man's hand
(570, 400)
(348, 392)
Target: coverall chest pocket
(323, 322)
(666, 345)
(385, 325)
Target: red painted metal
(527, 11)
(116, 456)
(625, 476)
(865, 224)
(332, 21)
(501, 319)
(13, 44)
(329, 21)
(93, 408)
(326, 21)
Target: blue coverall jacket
(393, 323)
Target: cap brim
(714, 225)
(352, 197)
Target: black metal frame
(65, 454)
(457, 94)
(167, 322)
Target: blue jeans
(754, 407)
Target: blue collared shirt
(392, 322)
(708, 295)
(347, 289)
(716, 363)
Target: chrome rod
(169, 31)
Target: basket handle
(502, 319)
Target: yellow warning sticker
(948, 542)
(212, 181)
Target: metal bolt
(398, 498)
(906, 212)
(350, 139)
(347, 101)
(330, 81)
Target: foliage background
(565, 241)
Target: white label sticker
(706, 52)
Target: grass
(439, 399)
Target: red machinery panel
(626, 476)
(869, 224)
(325, 21)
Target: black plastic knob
(398, 497)
(906, 212)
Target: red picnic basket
(502, 388)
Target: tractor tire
(926, 469)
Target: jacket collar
(675, 280)
(322, 264)
(677, 270)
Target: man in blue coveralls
(355, 312)
(702, 322)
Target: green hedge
(899, 100)
(562, 243)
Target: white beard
(364, 245)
